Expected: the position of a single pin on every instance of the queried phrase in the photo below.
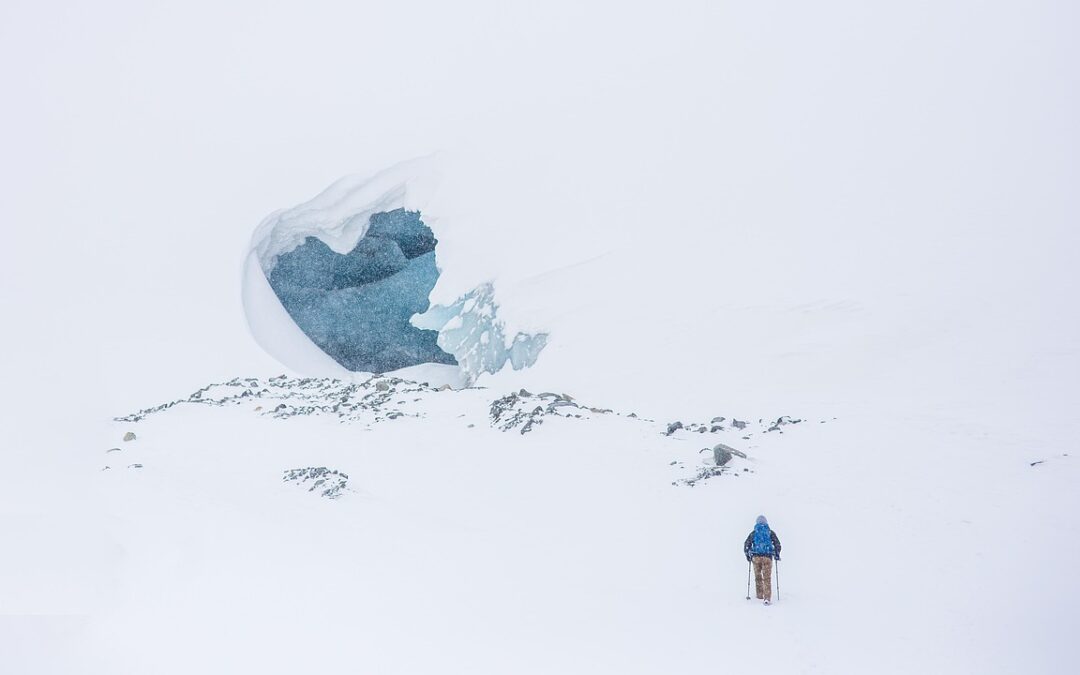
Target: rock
(715, 428)
(701, 430)
(444, 387)
(738, 424)
(730, 450)
(129, 436)
(112, 450)
(134, 466)
(524, 393)
(721, 455)
(381, 386)
(673, 427)
(718, 420)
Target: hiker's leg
(766, 576)
(758, 578)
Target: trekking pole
(747, 579)
(777, 580)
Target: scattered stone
(738, 424)
(703, 473)
(524, 393)
(329, 483)
(134, 466)
(781, 421)
(715, 428)
(129, 436)
(513, 411)
(673, 427)
(301, 396)
(112, 450)
(381, 386)
(717, 420)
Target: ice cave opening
(342, 283)
(356, 306)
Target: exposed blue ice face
(356, 307)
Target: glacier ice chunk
(471, 331)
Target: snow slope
(823, 210)
(459, 547)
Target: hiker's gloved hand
(776, 556)
(747, 557)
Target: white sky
(916, 159)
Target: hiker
(761, 548)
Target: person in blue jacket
(762, 547)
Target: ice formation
(341, 284)
(470, 330)
(356, 307)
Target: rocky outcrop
(525, 411)
(329, 483)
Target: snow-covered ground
(910, 544)
(841, 212)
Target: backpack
(762, 541)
